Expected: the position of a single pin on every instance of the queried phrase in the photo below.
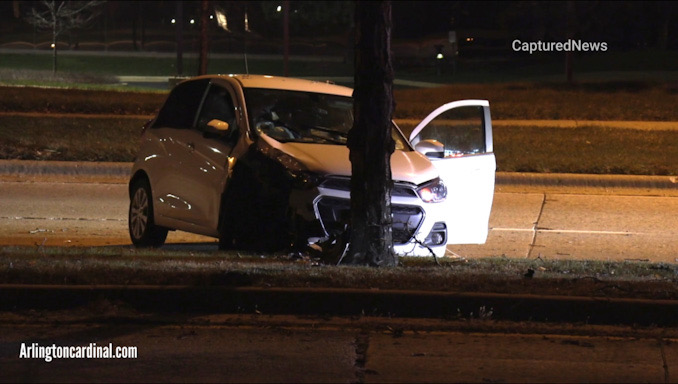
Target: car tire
(142, 229)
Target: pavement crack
(665, 364)
(362, 343)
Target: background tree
(204, 38)
(370, 141)
(308, 18)
(62, 16)
(179, 36)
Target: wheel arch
(138, 175)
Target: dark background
(640, 36)
(622, 24)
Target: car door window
(218, 104)
(461, 130)
(182, 105)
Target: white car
(261, 162)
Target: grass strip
(62, 100)
(121, 65)
(609, 100)
(592, 150)
(632, 100)
(128, 266)
(589, 150)
(69, 139)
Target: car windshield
(304, 117)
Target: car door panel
(171, 190)
(206, 159)
(467, 166)
(208, 171)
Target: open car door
(457, 138)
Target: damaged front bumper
(416, 231)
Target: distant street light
(439, 51)
(439, 59)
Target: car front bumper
(418, 230)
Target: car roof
(284, 83)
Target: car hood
(330, 159)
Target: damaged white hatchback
(261, 162)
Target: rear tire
(142, 229)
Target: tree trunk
(369, 141)
(16, 9)
(286, 38)
(204, 19)
(571, 28)
(54, 50)
(663, 25)
(180, 37)
(134, 34)
(143, 25)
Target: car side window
(182, 105)
(218, 104)
(461, 130)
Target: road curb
(347, 302)
(69, 168)
(581, 180)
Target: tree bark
(180, 37)
(663, 25)
(286, 38)
(204, 19)
(369, 141)
(16, 9)
(54, 46)
(571, 28)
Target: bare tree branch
(61, 16)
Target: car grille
(335, 212)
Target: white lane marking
(567, 231)
(57, 218)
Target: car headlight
(434, 191)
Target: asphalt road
(261, 348)
(549, 222)
(563, 224)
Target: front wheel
(142, 229)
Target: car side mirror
(218, 126)
(431, 148)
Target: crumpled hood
(328, 159)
